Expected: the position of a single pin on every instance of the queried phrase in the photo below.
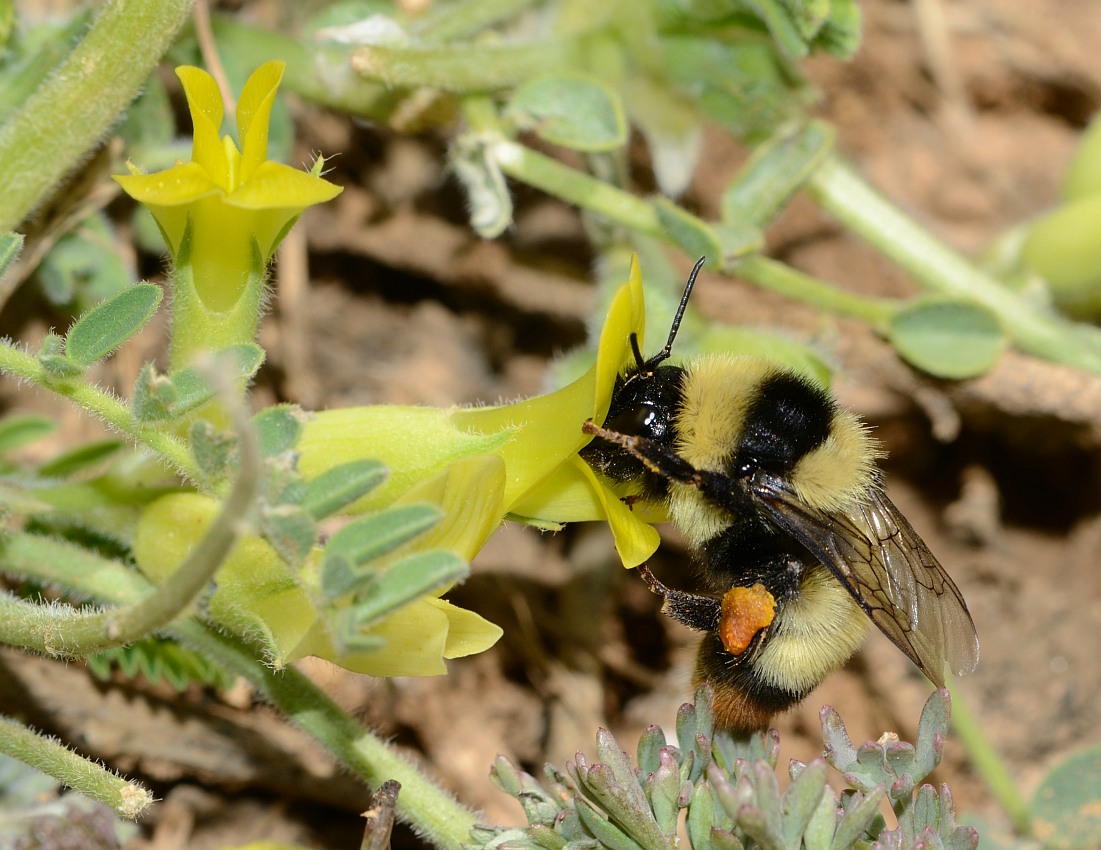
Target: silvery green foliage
(729, 793)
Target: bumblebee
(797, 546)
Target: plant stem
(988, 763)
(321, 76)
(431, 811)
(783, 279)
(576, 187)
(448, 67)
(102, 405)
(64, 630)
(55, 760)
(839, 189)
(596, 196)
(467, 18)
(76, 105)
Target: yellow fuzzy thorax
(718, 390)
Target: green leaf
(409, 579)
(82, 268)
(338, 487)
(737, 241)
(777, 169)
(55, 363)
(107, 326)
(11, 244)
(369, 538)
(701, 815)
(372, 536)
(607, 833)
(210, 448)
(819, 832)
(744, 86)
(570, 109)
(158, 659)
(290, 531)
(665, 789)
(781, 25)
(948, 339)
(484, 182)
(148, 126)
(80, 459)
(800, 801)
(809, 15)
(933, 727)
(277, 429)
(723, 839)
(153, 396)
(21, 429)
(1066, 811)
(690, 233)
(192, 390)
(648, 755)
(857, 818)
(840, 35)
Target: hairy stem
(64, 630)
(448, 67)
(849, 198)
(431, 811)
(102, 405)
(783, 279)
(988, 763)
(467, 18)
(426, 807)
(59, 762)
(76, 105)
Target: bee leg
(692, 609)
(654, 456)
(721, 490)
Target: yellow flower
(478, 466)
(546, 483)
(257, 595)
(224, 213)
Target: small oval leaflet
(19, 430)
(571, 110)
(1066, 810)
(108, 325)
(948, 339)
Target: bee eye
(642, 420)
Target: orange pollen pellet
(746, 610)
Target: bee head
(644, 401)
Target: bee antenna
(638, 353)
(663, 355)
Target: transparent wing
(881, 561)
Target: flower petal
(205, 102)
(254, 113)
(415, 443)
(277, 186)
(416, 638)
(467, 632)
(168, 195)
(626, 315)
(469, 494)
(635, 540)
(548, 428)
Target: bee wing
(876, 554)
